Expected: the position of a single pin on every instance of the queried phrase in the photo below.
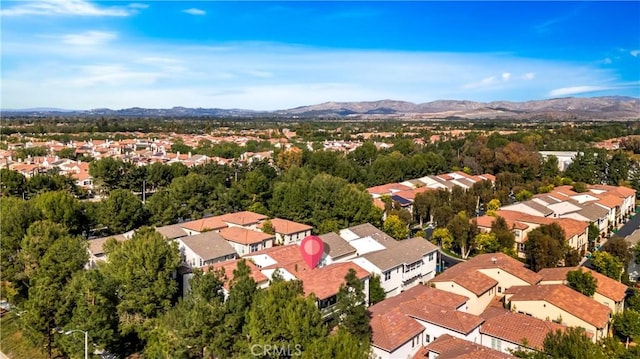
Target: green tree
(351, 314)
(12, 183)
(187, 329)
(267, 227)
(142, 269)
(63, 208)
(89, 302)
(61, 255)
(633, 300)
(493, 206)
(545, 247)
(618, 248)
(16, 215)
(504, 236)
(395, 227)
(442, 237)
(523, 195)
(582, 281)
(282, 316)
(376, 292)
(486, 243)
(463, 233)
(607, 264)
(573, 343)
(121, 212)
(627, 324)
(342, 344)
(242, 290)
(109, 173)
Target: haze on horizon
(78, 54)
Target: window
(430, 257)
(254, 247)
(499, 289)
(496, 344)
(415, 341)
(412, 266)
(427, 338)
(387, 276)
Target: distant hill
(571, 108)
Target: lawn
(12, 343)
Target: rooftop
(466, 274)
(208, 245)
(336, 246)
(244, 236)
(405, 252)
(564, 298)
(606, 286)
(285, 226)
(518, 328)
(448, 347)
(243, 218)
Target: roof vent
(494, 260)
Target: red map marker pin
(312, 249)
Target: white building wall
(547, 311)
(505, 279)
(475, 304)
(498, 344)
(391, 286)
(433, 331)
(407, 350)
(190, 258)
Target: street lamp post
(86, 340)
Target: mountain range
(571, 108)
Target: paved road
(629, 227)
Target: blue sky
(79, 54)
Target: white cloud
(265, 76)
(575, 90)
(607, 61)
(194, 11)
(89, 38)
(635, 53)
(529, 76)
(67, 7)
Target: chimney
(494, 260)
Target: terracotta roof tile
(566, 299)
(419, 294)
(518, 328)
(448, 347)
(229, 266)
(606, 286)
(466, 274)
(285, 226)
(392, 330)
(244, 236)
(204, 224)
(452, 319)
(242, 218)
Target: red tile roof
(285, 226)
(518, 328)
(466, 274)
(606, 286)
(323, 281)
(452, 319)
(204, 224)
(564, 298)
(229, 266)
(419, 294)
(392, 330)
(448, 347)
(244, 236)
(571, 227)
(388, 188)
(242, 218)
